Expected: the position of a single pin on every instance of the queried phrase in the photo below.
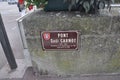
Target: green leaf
(86, 6)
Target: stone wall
(99, 43)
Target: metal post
(22, 34)
(6, 46)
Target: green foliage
(117, 1)
(86, 4)
(38, 3)
(72, 3)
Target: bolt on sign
(60, 40)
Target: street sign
(60, 40)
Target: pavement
(9, 14)
(29, 72)
(30, 75)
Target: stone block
(99, 43)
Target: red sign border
(78, 34)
